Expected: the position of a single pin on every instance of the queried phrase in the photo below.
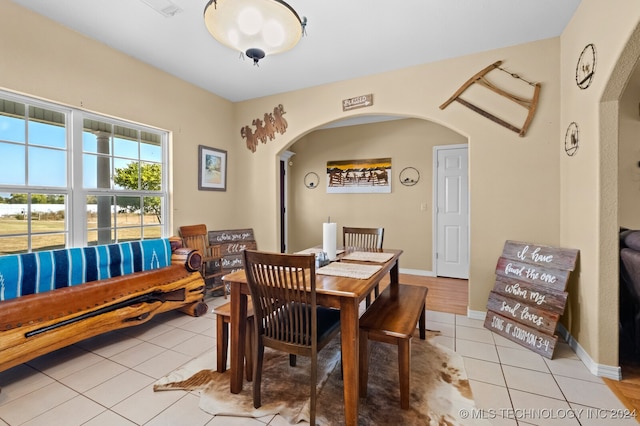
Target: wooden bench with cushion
(392, 318)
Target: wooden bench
(223, 318)
(392, 318)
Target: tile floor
(108, 380)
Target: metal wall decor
(265, 129)
(311, 180)
(586, 66)
(571, 139)
(409, 176)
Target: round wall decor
(311, 180)
(409, 176)
(571, 139)
(586, 66)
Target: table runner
(349, 270)
(368, 256)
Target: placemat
(368, 256)
(349, 270)
(315, 250)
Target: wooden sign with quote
(232, 242)
(529, 294)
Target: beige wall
(409, 143)
(54, 63)
(589, 180)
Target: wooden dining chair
(286, 315)
(363, 238)
(196, 237)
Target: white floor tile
(492, 399)
(109, 418)
(524, 359)
(590, 416)
(571, 367)
(483, 351)
(21, 380)
(588, 393)
(484, 371)
(440, 317)
(76, 411)
(83, 380)
(474, 334)
(468, 322)
(144, 405)
(33, 404)
(162, 364)
(541, 410)
(119, 388)
(184, 412)
(531, 381)
(138, 354)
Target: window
(70, 178)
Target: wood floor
(451, 295)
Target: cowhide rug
(439, 387)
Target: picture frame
(212, 169)
(368, 176)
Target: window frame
(75, 226)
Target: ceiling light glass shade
(255, 27)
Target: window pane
(150, 151)
(106, 237)
(126, 175)
(129, 234)
(102, 220)
(152, 232)
(129, 209)
(96, 171)
(47, 128)
(151, 176)
(125, 148)
(94, 132)
(14, 245)
(48, 242)
(47, 167)
(12, 128)
(152, 210)
(12, 164)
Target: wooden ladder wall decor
(529, 104)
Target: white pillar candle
(329, 231)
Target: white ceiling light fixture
(255, 27)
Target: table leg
(394, 273)
(238, 331)
(349, 329)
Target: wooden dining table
(332, 291)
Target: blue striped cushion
(38, 272)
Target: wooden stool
(392, 318)
(223, 318)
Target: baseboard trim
(419, 272)
(600, 370)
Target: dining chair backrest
(283, 288)
(368, 238)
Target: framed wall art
(359, 176)
(212, 169)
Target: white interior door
(452, 211)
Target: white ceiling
(345, 38)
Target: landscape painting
(359, 176)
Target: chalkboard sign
(529, 294)
(232, 242)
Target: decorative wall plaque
(529, 294)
